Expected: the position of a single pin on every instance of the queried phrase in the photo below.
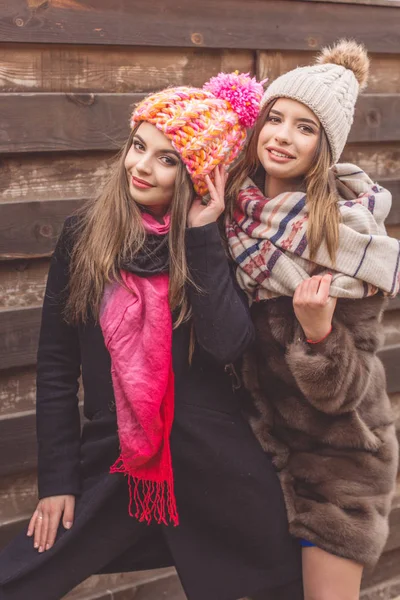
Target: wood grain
(17, 390)
(19, 336)
(384, 75)
(36, 177)
(64, 122)
(22, 282)
(254, 24)
(31, 229)
(116, 69)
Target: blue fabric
(306, 543)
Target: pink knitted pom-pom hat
(206, 126)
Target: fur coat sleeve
(323, 414)
(335, 374)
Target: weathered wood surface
(17, 390)
(36, 177)
(379, 160)
(19, 335)
(18, 452)
(22, 283)
(371, 2)
(258, 24)
(144, 585)
(31, 229)
(64, 122)
(384, 76)
(44, 68)
(99, 69)
(60, 122)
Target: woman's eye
(307, 129)
(137, 145)
(273, 119)
(168, 161)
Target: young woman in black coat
(141, 302)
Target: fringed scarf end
(152, 499)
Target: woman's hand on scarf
(202, 214)
(46, 520)
(314, 307)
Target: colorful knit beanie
(329, 88)
(206, 126)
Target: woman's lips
(278, 156)
(141, 184)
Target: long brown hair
(322, 197)
(109, 229)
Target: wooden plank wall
(69, 72)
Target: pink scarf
(137, 329)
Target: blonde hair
(109, 230)
(322, 196)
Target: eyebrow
(303, 119)
(166, 151)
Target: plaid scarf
(268, 240)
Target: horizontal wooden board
(61, 68)
(61, 122)
(22, 282)
(393, 231)
(18, 452)
(17, 390)
(376, 119)
(19, 335)
(142, 585)
(380, 160)
(31, 229)
(34, 177)
(393, 185)
(18, 496)
(384, 75)
(370, 2)
(258, 24)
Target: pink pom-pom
(243, 93)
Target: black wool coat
(233, 537)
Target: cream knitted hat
(329, 88)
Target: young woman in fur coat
(312, 253)
(132, 276)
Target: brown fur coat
(323, 413)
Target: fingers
(32, 523)
(44, 531)
(69, 511)
(38, 529)
(324, 288)
(314, 290)
(46, 519)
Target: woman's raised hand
(203, 214)
(46, 519)
(314, 307)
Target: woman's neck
(273, 186)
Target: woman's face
(288, 141)
(151, 166)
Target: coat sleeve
(335, 374)
(221, 315)
(58, 371)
